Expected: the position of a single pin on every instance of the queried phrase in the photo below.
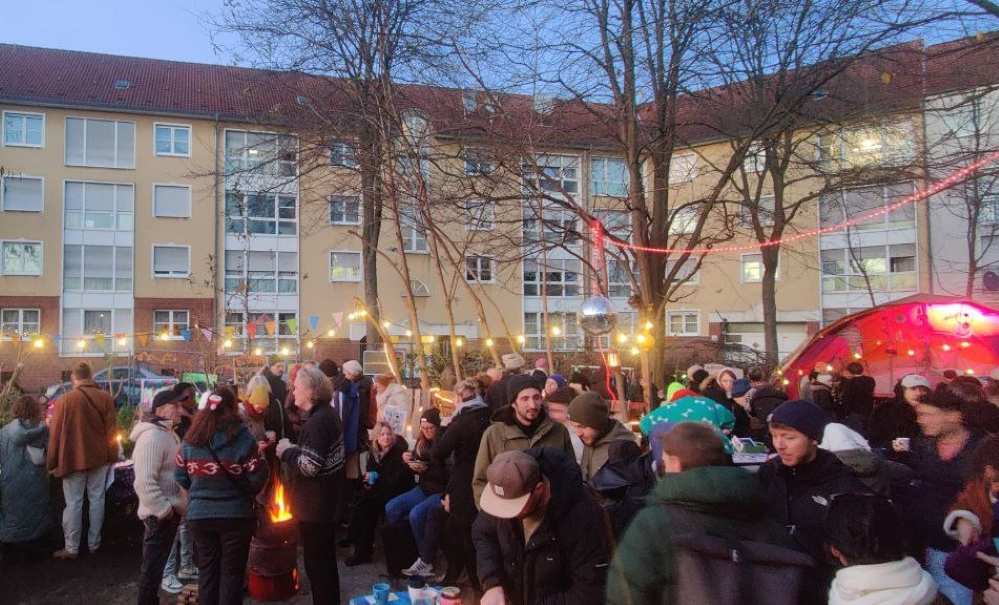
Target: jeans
(222, 547)
(92, 483)
(181, 555)
(417, 505)
(319, 554)
(156, 544)
(433, 530)
(955, 591)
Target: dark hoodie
(560, 564)
(719, 395)
(729, 502)
(623, 483)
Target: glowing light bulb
(165, 336)
(258, 351)
(965, 344)
(857, 355)
(640, 339)
(946, 347)
(458, 342)
(622, 338)
(38, 343)
(386, 324)
(613, 360)
(521, 339)
(970, 372)
(649, 325)
(489, 342)
(330, 333)
(122, 341)
(363, 313)
(81, 345)
(829, 367)
(556, 330)
(785, 382)
(310, 344)
(352, 316)
(284, 350)
(911, 353)
(409, 333)
(635, 351)
(780, 372)
(226, 343)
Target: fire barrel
(273, 565)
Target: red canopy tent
(924, 334)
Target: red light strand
(946, 183)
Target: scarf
(901, 582)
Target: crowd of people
(535, 489)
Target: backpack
(728, 570)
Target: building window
(560, 277)
(261, 272)
(479, 269)
(557, 227)
(752, 268)
(97, 322)
(272, 330)
(97, 268)
(343, 154)
(21, 258)
(755, 160)
(260, 214)
(961, 117)
(561, 331)
(171, 261)
(554, 174)
(22, 129)
(420, 289)
(171, 201)
(625, 325)
(835, 208)
(171, 323)
(609, 176)
(683, 323)
(688, 273)
(481, 215)
(763, 207)
(99, 206)
(345, 266)
(619, 278)
(478, 162)
(173, 140)
(414, 238)
(683, 168)
(887, 268)
(20, 323)
(22, 193)
(345, 210)
(264, 153)
(684, 220)
(615, 222)
(79, 326)
(885, 144)
(100, 143)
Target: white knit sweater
(155, 458)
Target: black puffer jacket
(394, 475)
(763, 403)
(565, 561)
(315, 466)
(434, 478)
(623, 483)
(460, 442)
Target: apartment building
(159, 211)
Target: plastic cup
(372, 477)
(381, 592)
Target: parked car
(126, 383)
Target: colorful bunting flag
(99, 339)
(186, 334)
(314, 323)
(270, 326)
(251, 329)
(207, 334)
(292, 325)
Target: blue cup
(381, 593)
(372, 477)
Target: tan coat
(82, 432)
(505, 435)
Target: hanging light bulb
(226, 343)
(965, 344)
(38, 343)
(489, 342)
(122, 341)
(911, 353)
(649, 325)
(622, 338)
(521, 339)
(635, 351)
(409, 333)
(556, 331)
(970, 372)
(386, 324)
(258, 351)
(946, 347)
(785, 382)
(284, 351)
(857, 356)
(640, 339)
(310, 344)
(330, 333)
(82, 344)
(829, 367)
(459, 342)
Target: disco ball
(597, 316)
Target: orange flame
(280, 511)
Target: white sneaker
(188, 572)
(420, 568)
(171, 585)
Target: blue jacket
(211, 493)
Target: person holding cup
(386, 477)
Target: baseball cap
(164, 397)
(915, 380)
(510, 477)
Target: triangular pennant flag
(338, 318)
(186, 334)
(142, 339)
(314, 323)
(270, 326)
(207, 334)
(230, 331)
(251, 329)
(99, 339)
(292, 325)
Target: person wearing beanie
(591, 421)
(521, 425)
(498, 393)
(557, 406)
(801, 481)
(553, 383)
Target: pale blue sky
(161, 29)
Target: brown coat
(82, 432)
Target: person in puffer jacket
(865, 534)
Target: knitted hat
(741, 387)
(589, 409)
(672, 389)
(563, 395)
(910, 381)
(164, 397)
(431, 415)
(512, 361)
(518, 383)
(681, 393)
(559, 380)
(802, 416)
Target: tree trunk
(770, 257)
(370, 160)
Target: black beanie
(518, 382)
(803, 416)
(431, 415)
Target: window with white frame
(683, 323)
(689, 273)
(561, 331)
(171, 201)
(261, 214)
(343, 154)
(20, 323)
(888, 143)
(481, 215)
(683, 168)
(619, 277)
(414, 237)
(752, 268)
(615, 222)
(420, 289)
(171, 261)
(755, 160)
(22, 129)
(97, 268)
(557, 277)
(836, 207)
(478, 162)
(479, 268)
(20, 258)
(684, 220)
(264, 153)
(553, 174)
(345, 210)
(103, 206)
(345, 266)
(261, 272)
(272, 330)
(609, 176)
(171, 322)
(887, 269)
(172, 140)
(625, 325)
(22, 193)
(764, 208)
(555, 226)
(80, 326)
(962, 117)
(100, 143)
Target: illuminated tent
(924, 334)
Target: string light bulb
(330, 333)
(386, 324)
(459, 342)
(38, 343)
(409, 333)
(946, 347)
(829, 367)
(640, 339)
(634, 351)
(310, 345)
(857, 355)
(613, 360)
(258, 351)
(911, 353)
(122, 341)
(489, 342)
(227, 343)
(965, 344)
(622, 338)
(284, 351)
(649, 325)
(164, 336)
(970, 372)
(556, 331)
(81, 344)
(521, 339)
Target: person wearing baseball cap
(536, 498)
(521, 425)
(801, 481)
(590, 419)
